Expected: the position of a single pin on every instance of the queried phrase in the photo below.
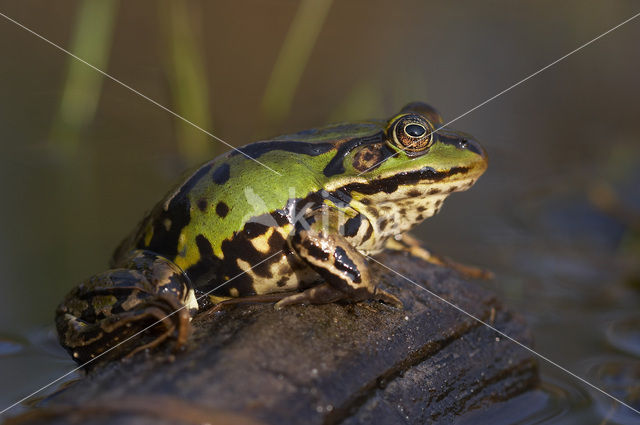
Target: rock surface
(329, 364)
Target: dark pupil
(415, 130)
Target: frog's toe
(115, 336)
(290, 300)
(321, 294)
(163, 315)
(387, 298)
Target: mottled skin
(234, 229)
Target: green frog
(297, 231)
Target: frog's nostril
(470, 145)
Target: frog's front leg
(318, 242)
(147, 294)
(407, 243)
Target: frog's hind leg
(114, 335)
(102, 316)
(413, 246)
(159, 313)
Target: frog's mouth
(429, 175)
(457, 179)
(423, 176)
(430, 183)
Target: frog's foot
(321, 294)
(410, 244)
(114, 336)
(167, 312)
(470, 272)
(387, 298)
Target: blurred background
(556, 216)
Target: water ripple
(624, 334)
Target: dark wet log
(330, 364)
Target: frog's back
(204, 222)
(211, 205)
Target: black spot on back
(202, 204)
(222, 209)
(414, 193)
(221, 174)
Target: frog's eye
(414, 130)
(412, 133)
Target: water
(74, 185)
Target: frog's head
(420, 143)
(414, 165)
